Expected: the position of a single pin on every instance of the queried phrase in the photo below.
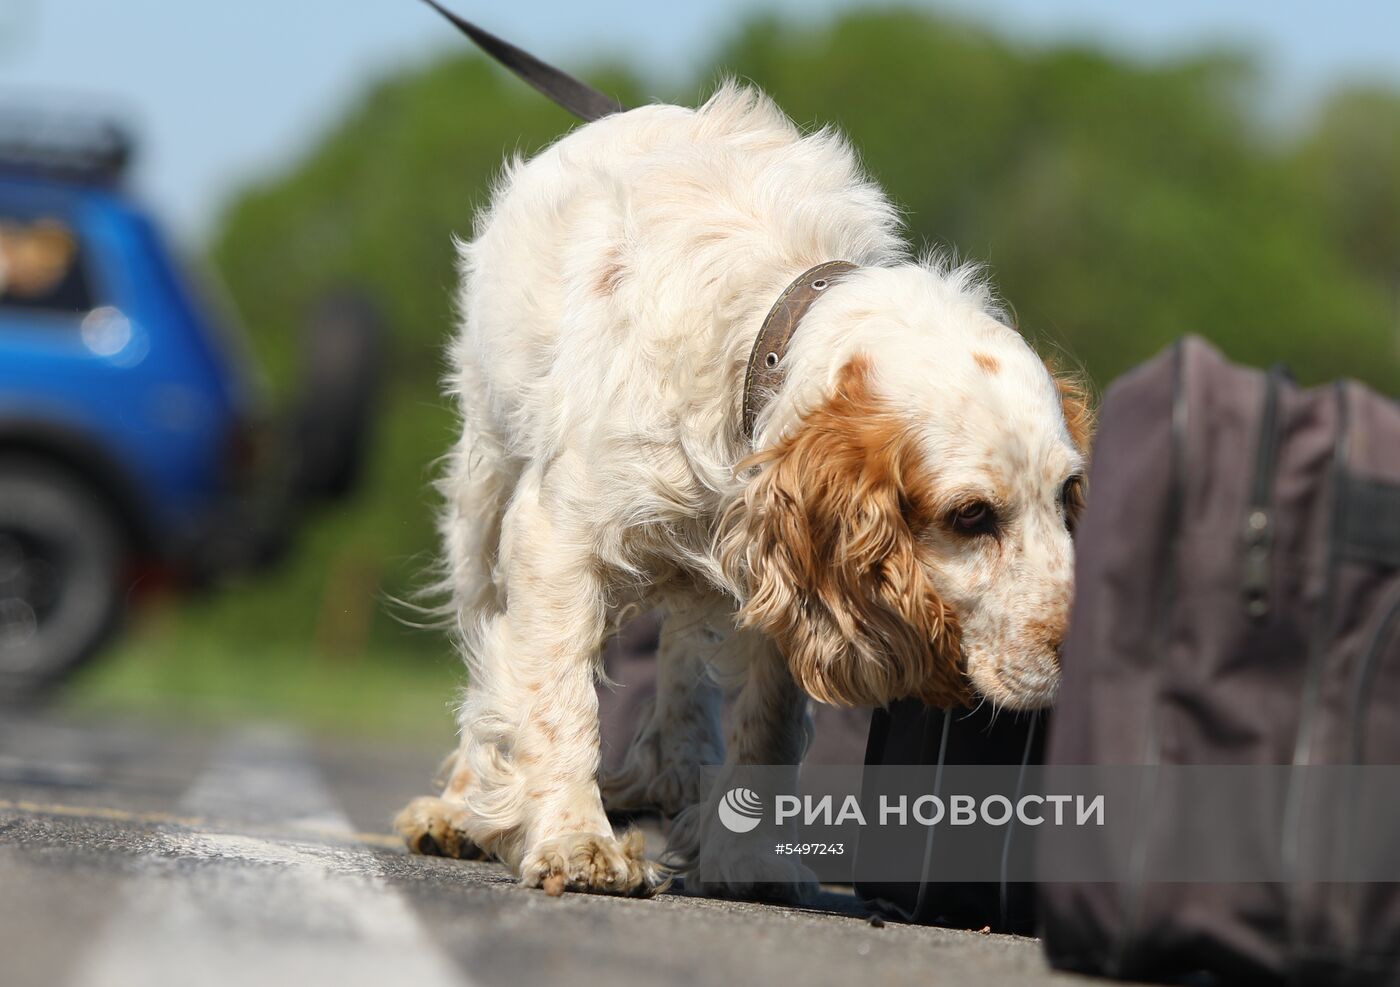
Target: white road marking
(218, 908)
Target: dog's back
(616, 277)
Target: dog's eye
(1072, 500)
(975, 518)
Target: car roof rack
(67, 146)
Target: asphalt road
(141, 856)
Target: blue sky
(223, 91)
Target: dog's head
(910, 533)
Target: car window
(41, 266)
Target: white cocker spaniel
(698, 370)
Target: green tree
(1350, 167)
(1117, 205)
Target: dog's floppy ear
(822, 541)
(1076, 404)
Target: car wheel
(61, 565)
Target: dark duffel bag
(1236, 603)
(910, 733)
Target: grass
(197, 678)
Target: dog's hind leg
(439, 826)
(475, 486)
(665, 768)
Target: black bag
(909, 733)
(1237, 602)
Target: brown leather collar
(765, 374)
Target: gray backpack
(1237, 603)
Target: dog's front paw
(591, 863)
(718, 863)
(437, 828)
(749, 874)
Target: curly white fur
(609, 301)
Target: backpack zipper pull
(1257, 536)
(1258, 521)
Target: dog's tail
(579, 98)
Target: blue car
(134, 448)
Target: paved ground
(144, 857)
